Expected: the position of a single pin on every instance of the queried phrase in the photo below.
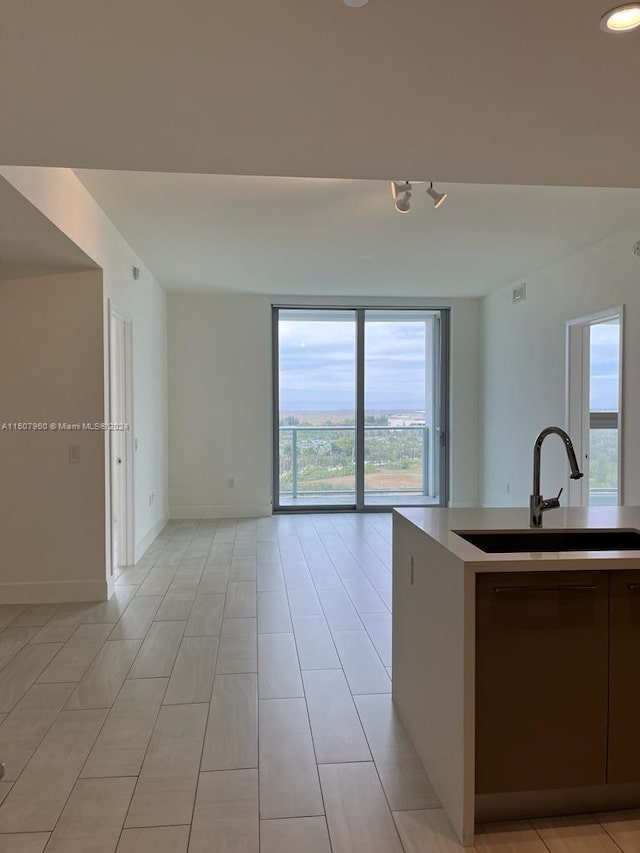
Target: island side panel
(433, 676)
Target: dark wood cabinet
(624, 678)
(542, 644)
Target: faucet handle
(551, 503)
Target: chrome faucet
(538, 504)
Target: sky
(605, 339)
(317, 366)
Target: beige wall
(220, 401)
(51, 370)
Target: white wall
(524, 356)
(219, 405)
(220, 402)
(51, 370)
(60, 196)
(464, 403)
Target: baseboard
(240, 511)
(149, 536)
(54, 592)
(522, 805)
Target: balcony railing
(313, 448)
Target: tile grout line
(606, 831)
(259, 799)
(206, 723)
(306, 707)
(208, 715)
(375, 766)
(133, 793)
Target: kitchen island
(517, 675)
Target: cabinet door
(624, 678)
(541, 680)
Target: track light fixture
(438, 198)
(401, 194)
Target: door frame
(577, 389)
(127, 536)
(441, 388)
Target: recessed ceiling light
(355, 3)
(621, 19)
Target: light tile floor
(233, 696)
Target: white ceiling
(334, 237)
(30, 245)
(477, 92)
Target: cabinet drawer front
(624, 678)
(541, 680)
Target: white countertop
(440, 525)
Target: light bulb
(438, 198)
(621, 19)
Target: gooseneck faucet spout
(538, 505)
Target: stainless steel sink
(537, 540)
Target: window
(604, 412)
(359, 407)
(595, 373)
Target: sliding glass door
(359, 408)
(316, 429)
(401, 426)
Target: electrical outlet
(231, 482)
(74, 453)
(508, 488)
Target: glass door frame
(441, 392)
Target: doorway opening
(595, 406)
(360, 408)
(121, 440)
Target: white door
(119, 440)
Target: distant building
(407, 419)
